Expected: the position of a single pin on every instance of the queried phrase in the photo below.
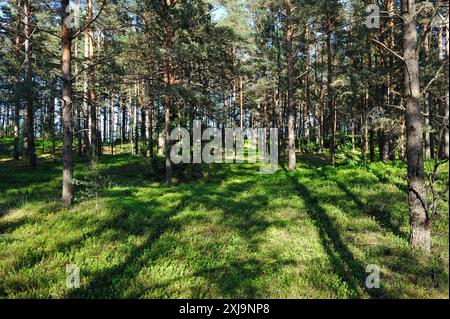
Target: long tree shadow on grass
(343, 260)
(384, 179)
(390, 218)
(19, 183)
(123, 226)
(237, 278)
(150, 219)
(385, 219)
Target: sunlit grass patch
(231, 233)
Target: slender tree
(67, 117)
(28, 85)
(290, 88)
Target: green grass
(232, 233)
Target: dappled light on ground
(232, 233)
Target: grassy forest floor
(231, 233)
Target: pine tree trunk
(372, 144)
(143, 130)
(391, 146)
(167, 138)
(77, 106)
(105, 121)
(66, 36)
(137, 137)
(111, 123)
(320, 106)
(130, 122)
(365, 123)
(352, 133)
(16, 150)
(51, 116)
(28, 91)
(447, 97)
(417, 195)
(308, 91)
(241, 102)
(89, 94)
(401, 139)
(136, 123)
(391, 75)
(290, 89)
(427, 127)
(150, 127)
(384, 146)
(331, 105)
(426, 98)
(123, 126)
(168, 77)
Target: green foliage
(307, 146)
(91, 184)
(232, 233)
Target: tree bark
(136, 122)
(290, 89)
(66, 39)
(320, 106)
(308, 90)
(130, 122)
(111, 123)
(168, 80)
(365, 124)
(447, 97)
(401, 139)
(384, 146)
(417, 195)
(28, 92)
(427, 97)
(150, 124)
(143, 129)
(241, 101)
(16, 150)
(331, 105)
(372, 144)
(123, 125)
(89, 94)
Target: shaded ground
(231, 234)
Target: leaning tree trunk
(66, 36)
(417, 195)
